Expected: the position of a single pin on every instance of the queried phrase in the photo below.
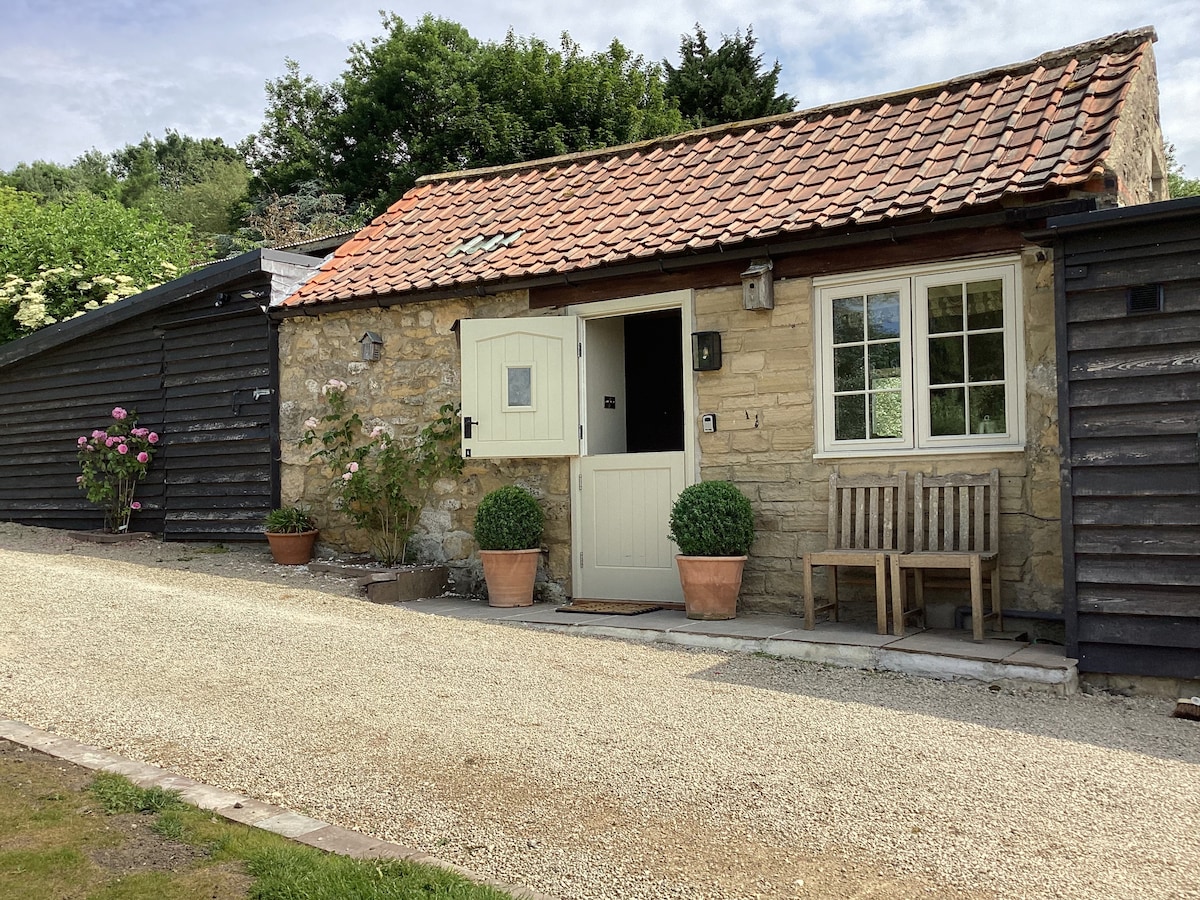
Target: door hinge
(580, 347)
(581, 475)
(581, 559)
(581, 432)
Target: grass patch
(120, 795)
(65, 833)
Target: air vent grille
(1144, 298)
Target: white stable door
(625, 501)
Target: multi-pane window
(924, 361)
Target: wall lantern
(371, 345)
(758, 287)
(706, 351)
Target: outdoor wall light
(758, 287)
(706, 351)
(371, 345)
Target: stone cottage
(844, 286)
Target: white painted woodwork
(625, 503)
(547, 423)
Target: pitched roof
(286, 270)
(1032, 127)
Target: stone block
(402, 585)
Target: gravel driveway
(591, 768)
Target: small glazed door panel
(624, 506)
(520, 387)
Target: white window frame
(911, 282)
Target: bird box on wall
(758, 287)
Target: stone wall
(763, 397)
(402, 392)
(1137, 156)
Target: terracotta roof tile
(1030, 127)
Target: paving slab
(746, 626)
(1045, 655)
(834, 634)
(943, 644)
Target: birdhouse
(371, 345)
(758, 290)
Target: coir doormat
(608, 607)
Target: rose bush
(113, 462)
(382, 483)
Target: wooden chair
(868, 520)
(956, 525)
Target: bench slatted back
(957, 513)
(868, 512)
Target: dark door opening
(654, 381)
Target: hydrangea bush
(382, 483)
(113, 462)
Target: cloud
(77, 74)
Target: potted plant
(508, 530)
(291, 532)
(712, 523)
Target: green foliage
(509, 518)
(289, 520)
(382, 483)
(120, 795)
(61, 258)
(430, 98)
(47, 181)
(289, 148)
(113, 463)
(1178, 184)
(713, 87)
(308, 213)
(712, 518)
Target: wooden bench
(956, 525)
(868, 521)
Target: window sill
(973, 450)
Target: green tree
(90, 173)
(60, 258)
(288, 149)
(1178, 184)
(191, 181)
(713, 87)
(430, 98)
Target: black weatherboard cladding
(195, 360)
(1129, 409)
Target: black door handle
(468, 424)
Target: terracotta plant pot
(711, 585)
(292, 549)
(510, 575)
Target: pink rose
(140, 432)
(122, 449)
(108, 442)
(98, 434)
(82, 441)
(143, 457)
(376, 431)
(311, 422)
(353, 467)
(135, 505)
(152, 438)
(119, 413)
(79, 479)
(347, 476)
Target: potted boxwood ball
(713, 526)
(291, 532)
(508, 530)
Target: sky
(77, 75)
